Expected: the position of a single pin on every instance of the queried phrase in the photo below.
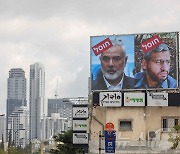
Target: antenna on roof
(56, 91)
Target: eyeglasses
(114, 59)
(161, 62)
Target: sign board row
(115, 99)
(80, 115)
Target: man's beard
(114, 76)
(154, 77)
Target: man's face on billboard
(113, 62)
(157, 68)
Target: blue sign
(110, 141)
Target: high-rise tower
(16, 93)
(36, 99)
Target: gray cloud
(57, 34)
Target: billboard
(136, 61)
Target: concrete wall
(144, 119)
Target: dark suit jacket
(99, 83)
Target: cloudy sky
(57, 34)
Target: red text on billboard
(151, 43)
(102, 46)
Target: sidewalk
(152, 148)
(141, 152)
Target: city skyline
(26, 123)
(54, 89)
(57, 34)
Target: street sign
(109, 126)
(110, 141)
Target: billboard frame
(148, 89)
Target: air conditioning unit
(151, 135)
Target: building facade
(53, 126)
(36, 99)
(18, 123)
(16, 92)
(146, 126)
(64, 106)
(3, 127)
(61, 106)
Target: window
(125, 124)
(169, 122)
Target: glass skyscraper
(36, 99)
(16, 93)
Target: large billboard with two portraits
(138, 61)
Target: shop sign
(134, 99)
(110, 99)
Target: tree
(28, 148)
(175, 139)
(18, 150)
(64, 144)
